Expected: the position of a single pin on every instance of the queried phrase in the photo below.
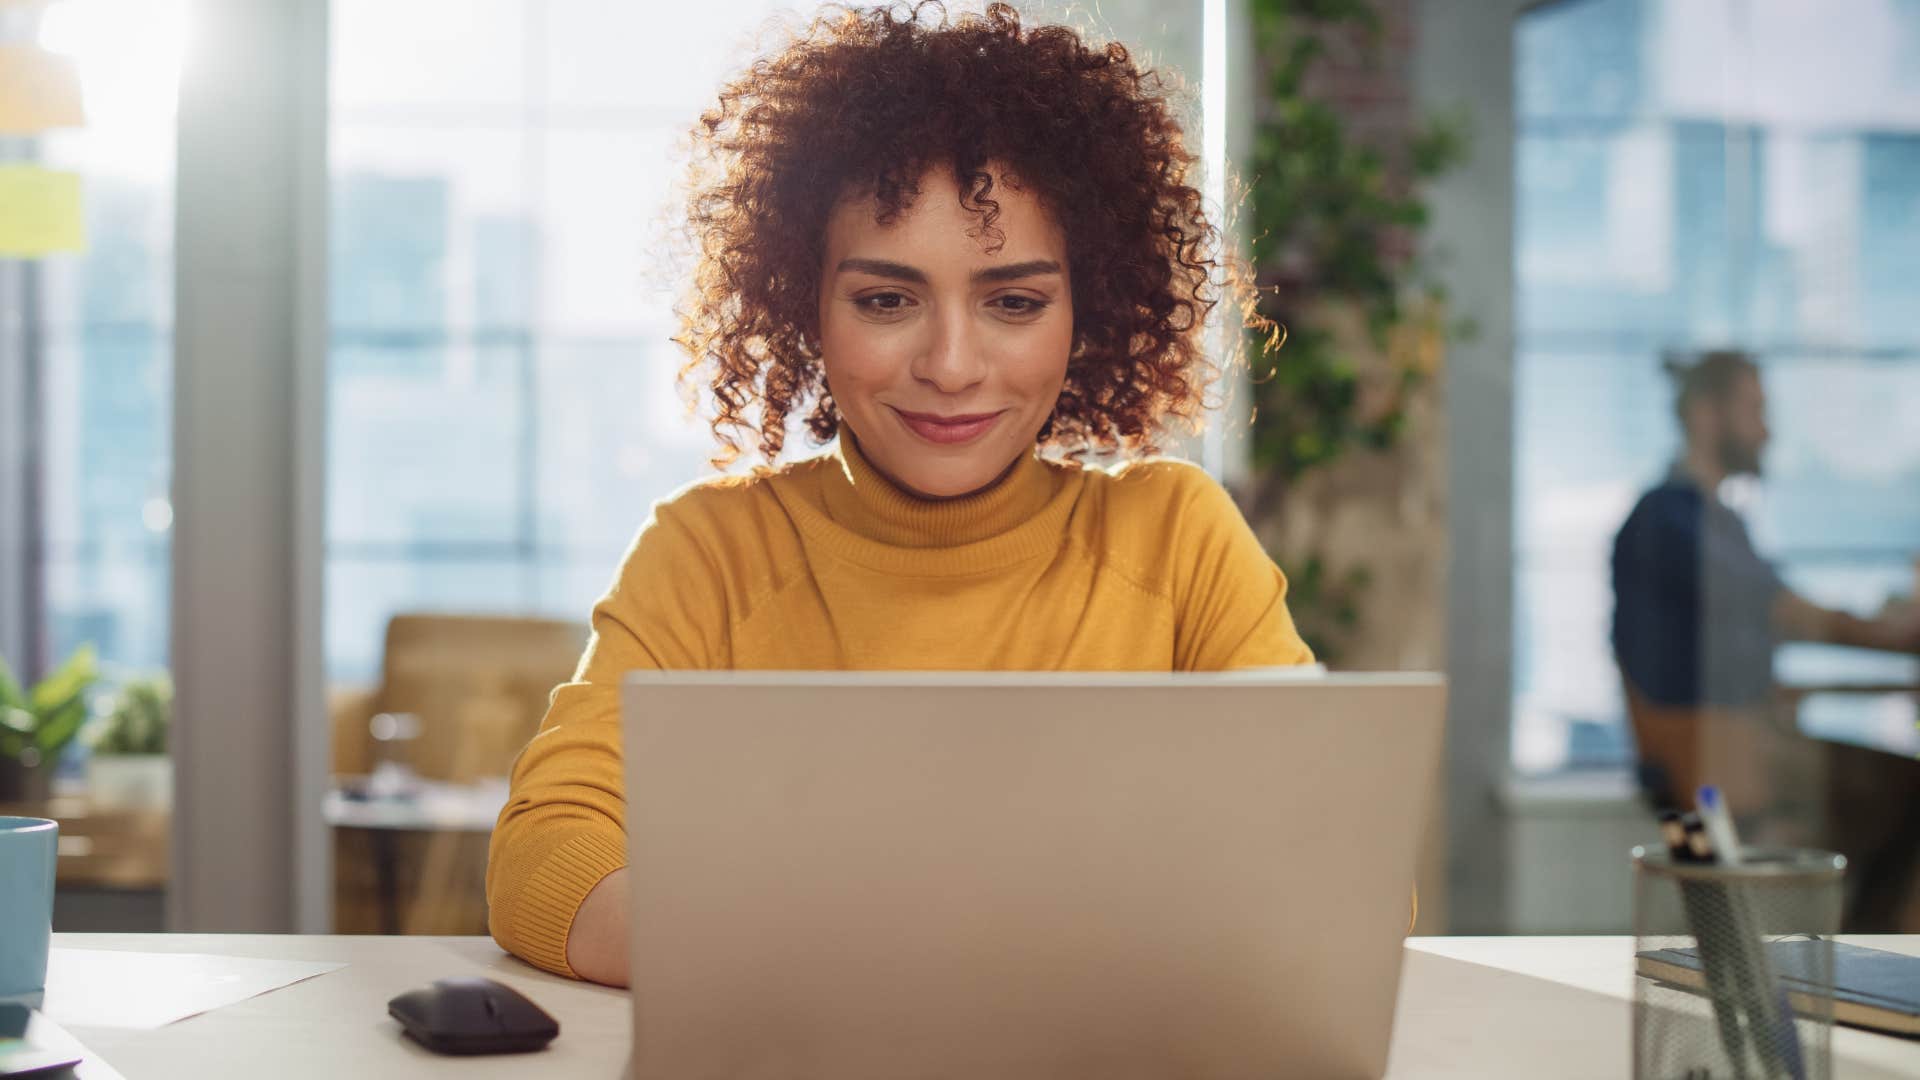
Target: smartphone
(19, 1057)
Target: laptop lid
(1021, 875)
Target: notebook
(1873, 988)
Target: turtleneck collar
(861, 500)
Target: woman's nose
(951, 360)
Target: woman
(953, 245)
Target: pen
(1700, 911)
(1699, 848)
(1773, 1015)
(1719, 825)
(1718, 931)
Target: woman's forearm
(597, 941)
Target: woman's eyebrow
(886, 268)
(1015, 271)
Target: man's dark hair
(1710, 377)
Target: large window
(1693, 174)
(96, 347)
(501, 401)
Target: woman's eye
(1019, 305)
(882, 303)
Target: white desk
(1469, 1007)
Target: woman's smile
(948, 430)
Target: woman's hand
(597, 942)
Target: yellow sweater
(825, 565)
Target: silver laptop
(867, 875)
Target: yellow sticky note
(38, 90)
(40, 211)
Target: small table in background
(1866, 706)
(444, 812)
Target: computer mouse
(473, 1016)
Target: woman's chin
(953, 478)
(950, 483)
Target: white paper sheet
(105, 988)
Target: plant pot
(25, 783)
(130, 781)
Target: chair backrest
(478, 683)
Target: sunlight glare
(129, 54)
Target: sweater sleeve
(1230, 600)
(564, 826)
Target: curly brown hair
(864, 101)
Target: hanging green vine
(1336, 222)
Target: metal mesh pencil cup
(1734, 966)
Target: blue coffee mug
(27, 850)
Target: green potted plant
(129, 767)
(37, 723)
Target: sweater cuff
(543, 911)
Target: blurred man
(1698, 612)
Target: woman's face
(945, 358)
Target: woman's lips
(948, 430)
